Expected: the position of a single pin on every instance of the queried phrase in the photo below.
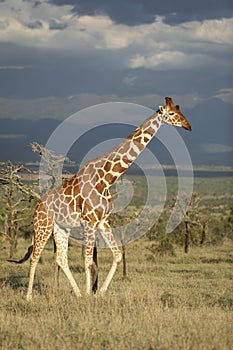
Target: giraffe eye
(171, 113)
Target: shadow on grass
(216, 260)
(185, 271)
(16, 282)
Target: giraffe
(86, 199)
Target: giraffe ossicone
(86, 199)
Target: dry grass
(184, 302)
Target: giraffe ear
(161, 108)
(178, 107)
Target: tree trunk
(203, 235)
(83, 253)
(186, 238)
(124, 261)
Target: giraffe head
(172, 115)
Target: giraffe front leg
(108, 237)
(61, 240)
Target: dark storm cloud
(133, 12)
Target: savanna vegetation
(175, 291)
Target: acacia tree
(52, 163)
(195, 220)
(16, 196)
(163, 243)
(130, 226)
(121, 220)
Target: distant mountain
(209, 143)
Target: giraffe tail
(25, 258)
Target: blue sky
(59, 56)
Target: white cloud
(226, 95)
(214, 31)
(131, 81)
(216, 148)
(13, 67)
(161, 59)
(157, 45)
(12, 136)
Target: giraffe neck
(119, 159)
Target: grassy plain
(183, 302)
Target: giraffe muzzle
(185, 124)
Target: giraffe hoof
(29, 298)
(102, 291)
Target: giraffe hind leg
(57, 268)
(108, 237)
(40, 240)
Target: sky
(106, 50)
(59, 56)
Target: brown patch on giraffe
(89, 250)
(88, 214)
(67, 189)
(64, 210)
(76, 190)
(99, 213)
(86, 189)
(134, 134)
(154, 122)
(138, 143)
(118, 168)
(86, 177)
(127, 161)
(146, 139)
(150, 131)
(57, 202)
(106, 226)
(133, 153)
(110, 178)
(90, 166)
(101, 173)
(107, 166)
(41, 217)
(71, 204)
(79, 201)
(138, 138)
(124, 148)
(99, 164)
(100, 187)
